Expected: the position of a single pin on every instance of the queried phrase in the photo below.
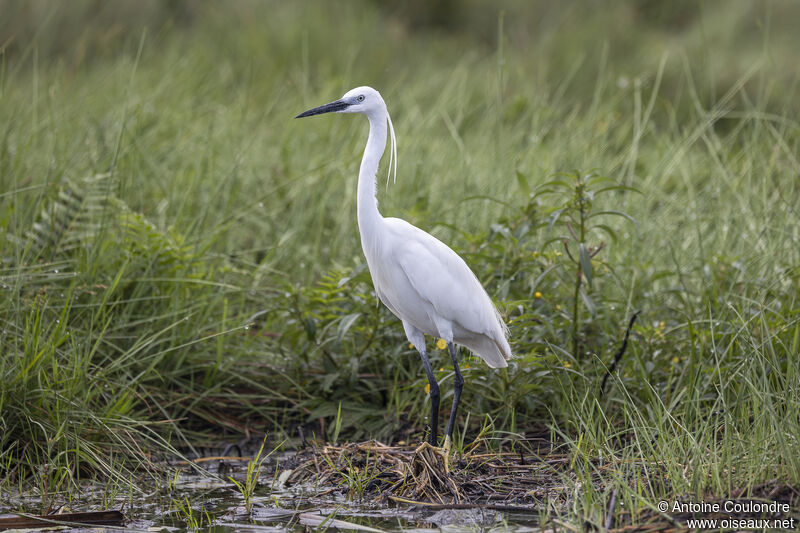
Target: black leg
(434, 394)
(458, 385)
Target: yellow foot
(443, 452)
(447, 444)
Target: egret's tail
(494, 352)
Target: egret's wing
(439, 276)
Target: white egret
(419, 278)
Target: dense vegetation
(180, 263)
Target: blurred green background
(219, 83)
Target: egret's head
(365, 100)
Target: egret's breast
(397, 293)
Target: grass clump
(180, 263)
(248, 485)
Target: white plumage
(431, 289)
(419, 278)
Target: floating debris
(98, 518)
(506, 481)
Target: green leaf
(547, 186)
(486, 197)
(522, 181)
(586, 263)
(587, 300)
(617, 213)
(611, 233)
(594, 179)
(554, 218)
(311, 328)
(345, 324)
(618, 188)
(500, 229)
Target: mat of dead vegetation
(533, 477)
(419, 473)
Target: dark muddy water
(212, 503)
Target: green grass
(247, 486)
(180, 260)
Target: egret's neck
(369, 219)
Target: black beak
(338, 105)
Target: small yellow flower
(567, 364)
(410, 346)
(661, 325)
(466, 367)
(441, 369)
(537, 294)
(441, 344)
(427, 388)
(535, 253)
(676, 360)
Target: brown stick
(109, 518)
(490, 507)
(612, 505)
(619, 353)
